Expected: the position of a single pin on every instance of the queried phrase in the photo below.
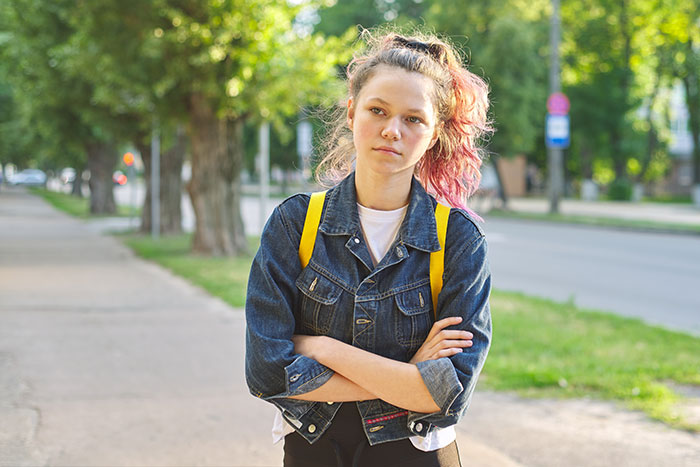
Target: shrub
(620, 190)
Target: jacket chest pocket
(319, 297)
(413, 317)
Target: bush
(620, 190)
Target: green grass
(543, 348)
(669, 199)
(540, 348)
(225, 278)
(598, 221)
(78, 207)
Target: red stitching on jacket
(386, 417)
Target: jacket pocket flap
(318, 287)
(414, 301)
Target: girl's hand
(442, 342)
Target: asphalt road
(651, 276)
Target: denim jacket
(385, 309)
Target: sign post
(557, 106)
(129, 162)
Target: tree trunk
(619, 157)
(101, 162)
(692, 98)
(214, 188)
(170, 185)
(77, 188)
(237, 153)
(501, 188)
(652, 137)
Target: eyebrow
(379, 99)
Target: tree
(502, 38)
(117, 38)
(230, 62)
(56, 103)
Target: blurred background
(181, 124)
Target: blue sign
(557, 131)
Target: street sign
(558, 104)
(557, 131)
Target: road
(655, 277)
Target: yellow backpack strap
(437, 258)
(308, 235)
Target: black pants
(344, 444)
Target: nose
(391, 129)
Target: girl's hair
(450, 169)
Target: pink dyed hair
(450, 170)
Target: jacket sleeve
(274, 372)
(465, 293)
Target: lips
(387, 149)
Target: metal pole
(264, 134)
(155, 181)
(555, 155)
(132, 194)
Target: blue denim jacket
(386, 310)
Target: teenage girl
(364, 367)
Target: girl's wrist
(322, 348)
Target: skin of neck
(383, 192)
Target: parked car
(28, 177)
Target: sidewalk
(668, 213)
(107, 360)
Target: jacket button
(419, 427)
(329, 403)
(399, 252)
(312, 428)
(357, 240)
(294, 378)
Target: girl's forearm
(397, 383)
(337, 389)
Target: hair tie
(436, 51)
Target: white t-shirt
(380, 229)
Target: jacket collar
(418, 229)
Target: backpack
(437, 258)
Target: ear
(436, 135)
(351, 111)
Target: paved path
(658, 212)
(106, 360)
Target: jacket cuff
(440, 377)
(305, 374)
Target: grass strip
(79, 207)
(541, 348)
(632, 224)
(224, 277)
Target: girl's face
(393, 121)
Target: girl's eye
(415, 120)
(376, 110)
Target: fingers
(442, 324)
(460, 343)
(448, 353)
(450, 334)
